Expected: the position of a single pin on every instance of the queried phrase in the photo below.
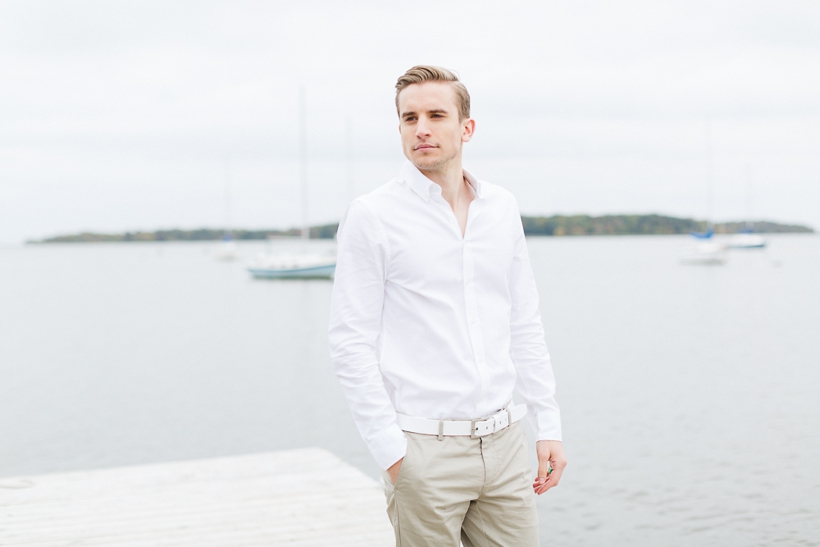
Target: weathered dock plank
(305, 497)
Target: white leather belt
(463, 428)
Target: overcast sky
(133, 115)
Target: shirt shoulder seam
(382, 232)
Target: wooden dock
(306, 497)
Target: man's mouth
(424, 147)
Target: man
(434, 323)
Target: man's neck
(450, 179)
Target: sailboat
(303, 264)
(705, 251)
(294, 266)
(746, 238)
(227, 250)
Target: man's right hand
(393, 471)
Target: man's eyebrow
(433, 111)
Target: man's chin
(426, 161)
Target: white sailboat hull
(313, 272)
(227, 252)
(747, 241)
(707, 254)
(293, 266)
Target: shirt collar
(421, 185)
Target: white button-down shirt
(428, 323)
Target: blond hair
(427, 73)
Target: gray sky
(121, 115)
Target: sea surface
(690, 394)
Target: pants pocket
(406, 462)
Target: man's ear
(468, 130)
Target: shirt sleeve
(535, 381)
(353, 333)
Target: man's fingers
(543, 467)
(550, 482)
(543, 477)
(542, 484)
(555, 476)
(551, 464)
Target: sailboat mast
(710, 175)
(303, 183)
(227, 230)
(351, 178)
(749, 224)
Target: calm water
(691, 395)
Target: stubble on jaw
(431, 164)
(433, 161)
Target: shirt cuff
(389, 446)
(547, 425)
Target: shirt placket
(473, 319)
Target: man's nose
(422, 127)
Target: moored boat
(708, 254)
(747, 241)
(293, 266)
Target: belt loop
(441, 430)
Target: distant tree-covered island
(557, 225)
(585, 225)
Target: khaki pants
(478, 491)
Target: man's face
(431, 133)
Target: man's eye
(410, 119)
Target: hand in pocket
(393, 471)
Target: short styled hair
(427, 73)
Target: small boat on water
(293, 266)
(227, 250)
(706, 253)
(747, 240)
(303, 264)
